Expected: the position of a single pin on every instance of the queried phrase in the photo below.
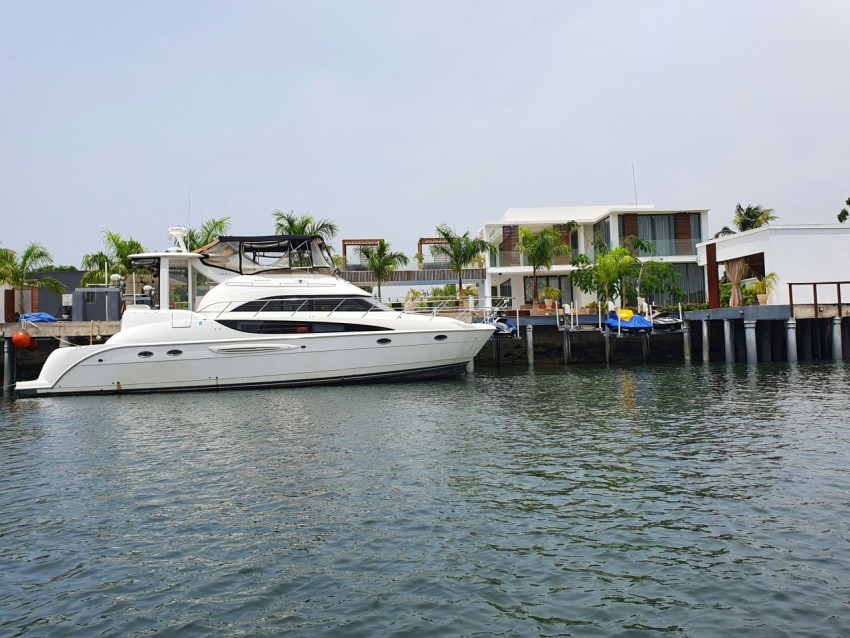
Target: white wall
(797, 254)
(810, 255)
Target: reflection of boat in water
(276, 315)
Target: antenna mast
(634, 181)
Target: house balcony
(508, 258)
(673, 248)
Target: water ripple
(592, 501)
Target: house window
(602, 231)
(660, 230)
(561, 282)
(692, 282)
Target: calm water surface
(687, 501)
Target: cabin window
(260, 326)
(311, 304)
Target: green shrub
(550, 292)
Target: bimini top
(268, 253)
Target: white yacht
(276, 314)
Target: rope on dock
(24, 322)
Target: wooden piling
(9, 368)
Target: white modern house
(675, 234)
(810, 261)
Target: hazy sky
(391, 117)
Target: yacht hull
(274, 316)
(171, 365)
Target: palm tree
(747, 219)
(752, 217)
(541, 248)
(606, 274)
(209, 231)
(381, 262)
(291, 224)
(18, 270)
(460, 250)
(844, 213)
(115, 259)
(612, 267)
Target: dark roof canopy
(268, 238)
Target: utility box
(67, 304)
(96, 304)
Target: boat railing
(468, 309)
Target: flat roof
(579, 214)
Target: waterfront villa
(674, 233)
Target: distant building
(53, 303)
(675, 234)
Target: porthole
(441, 337)
(144, 354)
(174, 353)
(384, 341)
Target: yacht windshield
(252, 255)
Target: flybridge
(177, 269)
(251, 255)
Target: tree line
(18, 269)
(612, 272)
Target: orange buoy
(33, 344)
(21, 339)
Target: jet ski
(625, 320)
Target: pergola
(429, 241)
(357, 243)
(736, 269)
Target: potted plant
(420, 259)
(550, 294)
(764, 286)
(414, 299)
(469, 292)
